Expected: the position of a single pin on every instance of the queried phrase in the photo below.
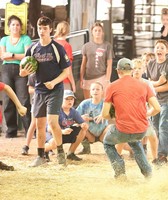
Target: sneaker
(61, 158)
(155, 161)
(46, 156)
(25, 150)
(86, 147)
(84, 151)
(38, 161)
(3, 166)
(72, 156)
(162, 160)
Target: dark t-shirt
(52, 60)
(154, 71)
(162, 37)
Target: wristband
(13, 55)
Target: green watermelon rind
(29, 59)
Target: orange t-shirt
(68, 50)
(129, 97)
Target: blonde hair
(136, 61)
(97, 24)
(149, 54)
(98, 83)
(164, 11)
(62, 29)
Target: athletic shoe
(46, 156)
(86, 147)
(25, 150)
(3, 166)
(162, 160)
(38, 161)
(61, 158)
(72, 156)
(155, 161)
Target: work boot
(86, 147)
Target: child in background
(21, 110)
(90, 110)
(157, 71)
(164, 20)
(146, 57)
(62, 30)
(72, 125)
(32, 127)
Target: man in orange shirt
(129, 97)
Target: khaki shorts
(102, 80)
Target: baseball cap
(125, 64)
(68, 93)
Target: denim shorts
(47, 103)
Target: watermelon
(31, 60)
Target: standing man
(129, 97)
(53, 68)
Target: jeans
(10, 76)
(113, 137)
(160, 123)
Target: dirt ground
(89, 179)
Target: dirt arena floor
(89, 179)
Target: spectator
(90, 110)
(164, 20)
(96, 60)
(157, 71)
(13, 48)
(62, 30)
(72, 125)
(32, 127)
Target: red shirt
(2, 85)
(68, 50)
(129, 97)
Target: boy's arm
(154, 106)
(21, 109)
(106, 110)
(50, 84)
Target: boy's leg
(41, 137)
(57, 135)
(77, 135)
(140, 158)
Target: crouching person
(72, 125)
(129, 97)
(90, 110)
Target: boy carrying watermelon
(53, 68)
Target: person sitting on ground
(72, 125)
(20, 108)
(90, 110)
